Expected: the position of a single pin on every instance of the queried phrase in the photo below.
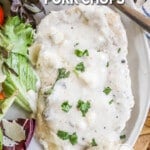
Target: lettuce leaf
(25, 74)
(5, 104)
(23, 80)
(15, 38)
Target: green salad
(15, 39)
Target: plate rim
(135, 133)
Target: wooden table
(143, 142)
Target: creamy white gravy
(98, 30)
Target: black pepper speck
(114, 95)
(123, 61)
(63, 85)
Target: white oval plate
(139, 65)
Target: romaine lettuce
(23, 80)
(15, 38)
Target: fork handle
(138, 17)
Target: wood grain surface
(143, 142)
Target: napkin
(144, 7)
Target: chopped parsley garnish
(111, 101)
(107, 90)
(80, 67)
(83, 107)
(122, 137)
(81, 53)
(65, 106)
(73, 138)
(62, 73)
(119, 50)
(93, 143)
(63, 135)
(107, 65)
(76, 72)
